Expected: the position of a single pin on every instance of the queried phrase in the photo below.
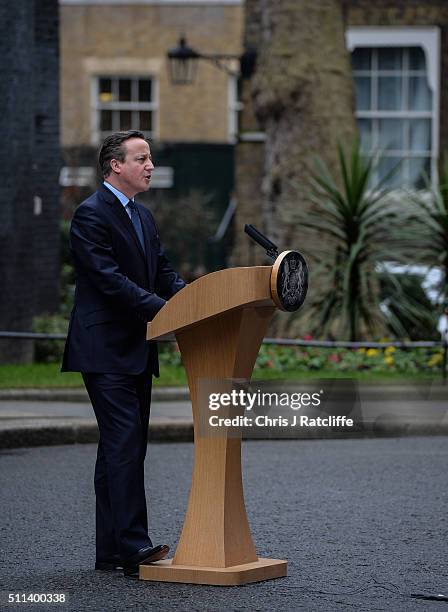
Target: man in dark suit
(123, 279)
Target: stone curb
(428, 390)
(85, 431)
(43, 431)
(32, 433)
(159, 394)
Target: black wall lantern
(183, 61)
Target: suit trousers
(121, 403)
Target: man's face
(134, 174)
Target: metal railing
(284, 342)
(32, 336)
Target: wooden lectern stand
(219, 321)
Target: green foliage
(388, 361)
(47, 351)
(356, 229)
(410, 311)
(51, 351)
(428, 229)
(37, 376)
(286, 362)
(67, 273)
(169, 354)
(48, 375)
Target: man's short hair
(112, 148)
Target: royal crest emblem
(289, 280)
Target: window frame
(428, 39)
(235, 106)
(97, 105)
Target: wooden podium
(219, 321)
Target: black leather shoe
(109, 565)
(145, 555)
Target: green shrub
(48, 351)
(388, 360)
(67, 272)
(169, 354)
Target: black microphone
(262, 240)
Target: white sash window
(396, 76)
(124, 103)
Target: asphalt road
(344, 513)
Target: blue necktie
(135, 218)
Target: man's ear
(115, 165)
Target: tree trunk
(302, 98)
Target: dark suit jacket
(119, 288)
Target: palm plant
(410, 312)
(429, 228)
(357, 229)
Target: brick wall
(409, 13)
(29, 242)
(132, 39)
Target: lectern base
(165, 571)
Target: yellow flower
(435, 360)
(372, 352)
(389, 350)
(362, 350)
(389, 360)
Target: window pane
(124, 90)
(106, 120)
(389, 93)
(145, 120)
(239, 88)
(417, 59)
(391, 134)
(105, 90)
(420, 134)
(362, 87)
(365, 130)
(125, 120)
(394, 166)
(144, 90)
(361, 59)
(419, 94)
(390, 59)
(419, 171)
(105, 85)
